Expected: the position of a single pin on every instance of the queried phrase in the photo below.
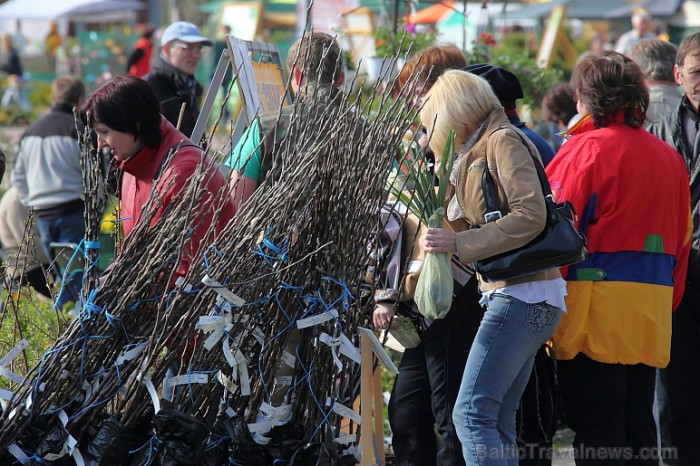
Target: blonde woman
(521, 314)
(425, 390)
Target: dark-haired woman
(632, 197)
(125, 115)
(559, 110)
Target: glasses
(192, 48)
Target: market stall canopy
(461, 22)
(688, 16)
(599, 9)
(433, 13)
(74, 10)
(452, 12)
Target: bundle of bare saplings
(250, 358)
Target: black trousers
(537, 417)
(610, 409)
(422, 399)
(681, 382)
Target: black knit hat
(505, 84)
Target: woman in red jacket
(125, 114)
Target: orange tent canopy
(432, 14)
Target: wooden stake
(372, 443)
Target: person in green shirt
(315, 64)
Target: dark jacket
(670, 129)
(543, 147)
(12, 65)
(174, 89)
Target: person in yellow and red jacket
(631, 194)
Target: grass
(24, 316)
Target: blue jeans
(64, 229)
(497, 371)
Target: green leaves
(401, 39)
(414, 184)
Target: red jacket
(143, 64)
(137, 181)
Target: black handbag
(558, 245)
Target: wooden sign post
(258, 72)
(371, 401)
(554, 38)
(372, 438)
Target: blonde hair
(459, 100)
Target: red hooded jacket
(140, 170)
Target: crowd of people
(607, 336)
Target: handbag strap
(488, 185)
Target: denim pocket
(539, 316)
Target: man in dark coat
(172, 74)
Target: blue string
(96, 404)
(189, 384)
(270, 252)
(311, 302)
(40, 368)
(307, 377)
(36, 458)
(216, 251)
(64, 274)
(290, 324)
(29, 459)
(346, 296)
(154, 444)
(215, 441)
(89, 307)
(82, 248)
(205, 258)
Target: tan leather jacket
(520, 196)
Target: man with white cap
(172, 74)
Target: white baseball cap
(184, 31)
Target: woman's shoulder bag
(558, 245)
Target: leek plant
(415, 187)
